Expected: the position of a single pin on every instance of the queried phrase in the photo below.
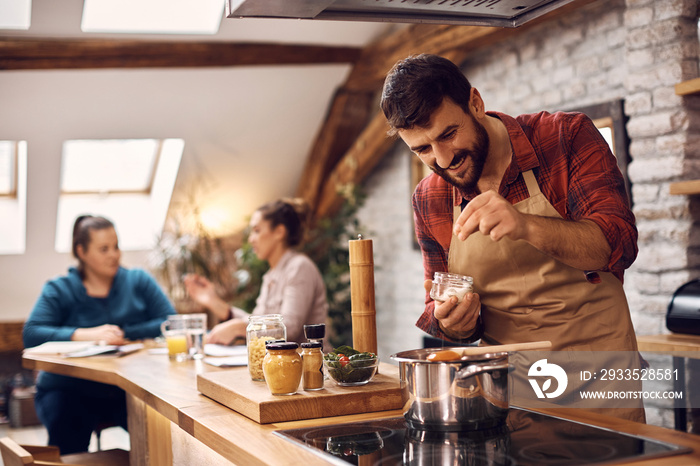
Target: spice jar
(282, 366)
(312, 358)
(262, 328)
(446, 285)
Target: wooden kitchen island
(170, 422)
(680, 347)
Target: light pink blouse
(294, 289)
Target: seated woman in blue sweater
(97, 301)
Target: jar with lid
(312, 358)
(446, 285)
(262, 328)
(315, 332)
(282, 366)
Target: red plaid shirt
(576, 171)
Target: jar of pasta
(283, 368)
(262, 328)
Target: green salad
(347, 365)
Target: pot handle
(477, 369)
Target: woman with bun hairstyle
(292, 287)
(99, 301)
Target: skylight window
(15, 14)
(153, 16)
(128, 181)
(112, 165)
(13, 196)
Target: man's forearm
(579, 244)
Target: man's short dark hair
(416, 86)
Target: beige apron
(529, 296)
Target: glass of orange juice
(175, 332)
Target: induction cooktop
(525, 438)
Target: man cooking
(534, 208)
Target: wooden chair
(14, 454)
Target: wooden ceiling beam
(346, 119)
(43, 54)
(357, 163)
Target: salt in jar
(446, 285)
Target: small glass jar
(282, 366)
(312, 358)
(446, 285)
(262, 328)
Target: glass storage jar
(312, 359)
(262, 328)
(446, 285)
(282, 366)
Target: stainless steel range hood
(503, 13)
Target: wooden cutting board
(234, 388)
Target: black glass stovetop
(525, 438)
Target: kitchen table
(680, 346)
(170, 422)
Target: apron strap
(456, 208)
(532, 187)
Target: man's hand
(493, 216)
(457, 319)
(580, 244)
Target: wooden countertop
(170, 389)
(685, 345)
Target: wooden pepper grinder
(364, 324)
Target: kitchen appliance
(683, 314)
(525, 438)
(503, 13)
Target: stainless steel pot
(467, 394)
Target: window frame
(611, 115)
(138, 214)
(14, 158)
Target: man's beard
(467, 181)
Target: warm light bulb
(214, 220)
